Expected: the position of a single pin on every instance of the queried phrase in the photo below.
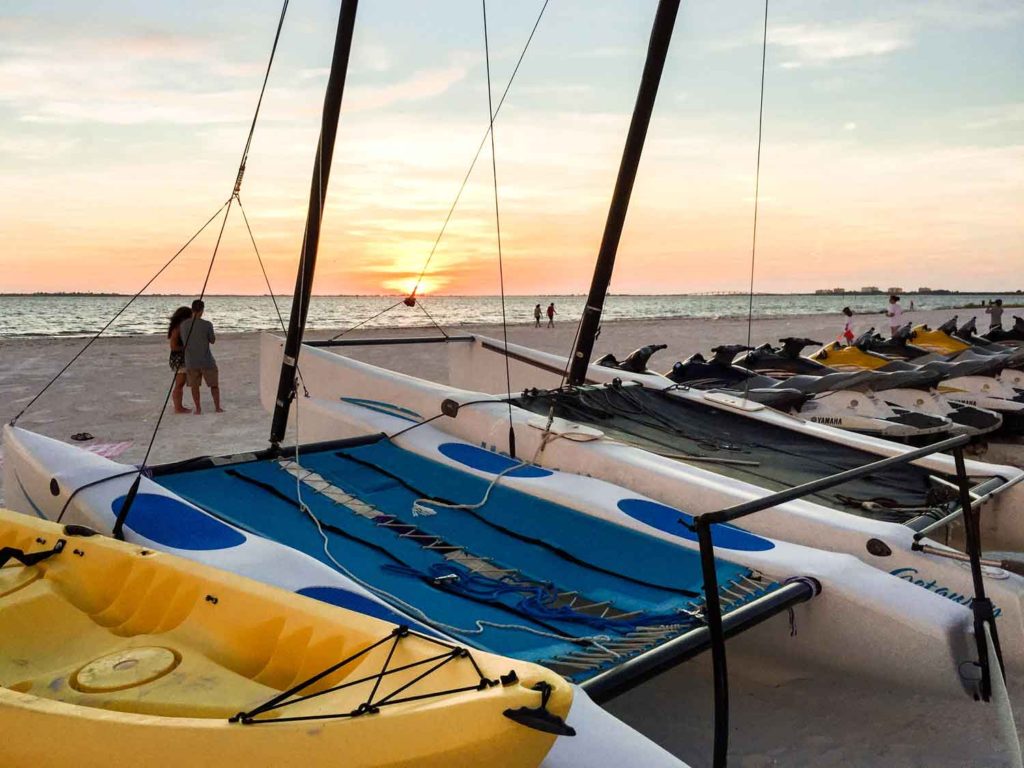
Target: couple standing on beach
(190, 337)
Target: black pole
(713, 616)
(311, 239)
(981, 606)
(657, 51)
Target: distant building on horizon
(896, 289)
(870, 289)
(830, 291)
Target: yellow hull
(848, 358)
(113, 655)
(937, 341)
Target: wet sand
(116, 390)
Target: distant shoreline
(702, 294)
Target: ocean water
(61, 315)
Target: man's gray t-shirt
(996, 312)
(197, 343)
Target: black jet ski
(842, 399)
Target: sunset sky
(893, 145)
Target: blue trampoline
(519, 575)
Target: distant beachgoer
(847, 336)
(536, 316)
(199, 363)
(995, 311)
(177, 357)
(895, 314)
(911, 305)
(551, 315)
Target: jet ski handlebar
(792, 345)
(949, 327)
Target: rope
(479, 149)
(259, 258)
(259, 103)
(757, 185)
(431, 318)
(126, 506)
(121, 311)
(174, 374)
(462, 188)
(367, 320)
(497, 224)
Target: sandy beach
(116, 390)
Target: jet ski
(971, 382)
(1014, 336)
(843, 399)
(912, 389)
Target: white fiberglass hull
(334, 379)
(875, 618)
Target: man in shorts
(197, 336)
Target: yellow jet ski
(111, 654)
(938, 340)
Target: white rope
(420, 508)
(479, 624)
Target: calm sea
(42, 315)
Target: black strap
(29, 558)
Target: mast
(657, 50)
(311, 238)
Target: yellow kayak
(111, 654)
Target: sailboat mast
(657, 51)
(311, 238)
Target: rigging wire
(227, 204)
(757, 186)
(479, 149)
(462, 186)
(259, 102)
(497, 225)
(235, 195)
(263, 269)
(174, 375)
(119, 312)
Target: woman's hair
(180, 314)
(847, 311)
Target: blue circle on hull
(488, 461)
(173, 523)
(671, 520)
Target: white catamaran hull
(858, 604)
(582, 450)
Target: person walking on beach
(895, 314)
(995, 311)
(199, 363)
(846, 337)
(177, 357)
(551, 315)
(536, 316)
